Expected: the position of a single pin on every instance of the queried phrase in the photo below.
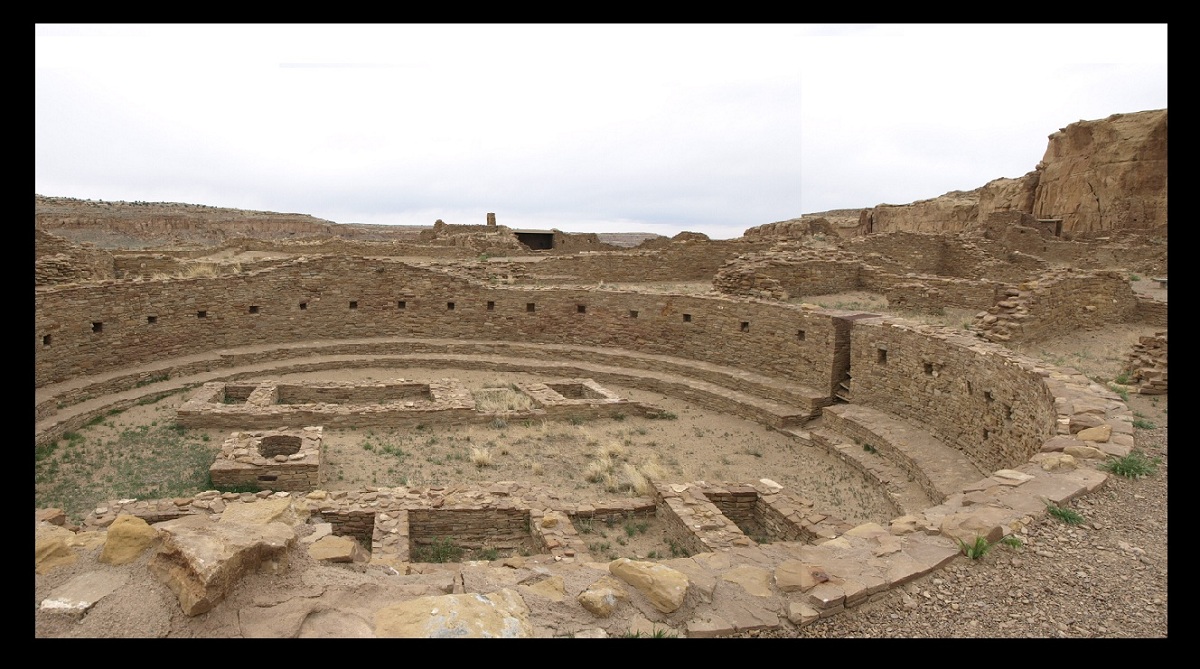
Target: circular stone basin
(279, 444)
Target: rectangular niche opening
(491, 306)
(530, 307)
(881, 356)
(457, 535)
(402, 304)
(745, 326)
(151, 320)
(800, 335)
(929, 369)
(303, 306)
(201, 314)
(687, 318)
(97, 326)
(253, 309)
(449, 306)
(581, 308)
(45, 340)
(576, 391)
(633, 313)
(353, 304)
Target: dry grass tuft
(496, 400)
(198, 270)
(481, 457)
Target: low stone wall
(1147, 366)
(932, 295)
(1056, 302)
(395, 404)
(1151, 311)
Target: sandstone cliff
(1096, 177)
(1107, 175)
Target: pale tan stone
(797, 576)
(666, 588)
(1101, 433)
(128, 537)
(500, 614)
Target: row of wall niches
(97, 327)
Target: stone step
(905, 492)
(939, 469)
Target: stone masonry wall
(1059, 301)
(681, 261)
(57, 260)
(975, 397)
(110, 325)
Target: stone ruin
(1147, 366)
(967, 438)
(397, 403)
(270, 460)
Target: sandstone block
(500, 614)
(666, 588)
(128, 537)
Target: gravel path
(1104, 578)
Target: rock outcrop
(1107, 175)
(1096, 177)
(202, 561)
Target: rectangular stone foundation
(271, 460)
(396, 404)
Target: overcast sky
(601, 128)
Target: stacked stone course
(1147, 366)
(1059, 301)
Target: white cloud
(645, 127)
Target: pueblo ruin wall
(989, 404)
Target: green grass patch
(1133, 466)
(1066, 515)
(148, 462)
(441, 550)
(1143, 424)
(976, 549)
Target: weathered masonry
(988, 403)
